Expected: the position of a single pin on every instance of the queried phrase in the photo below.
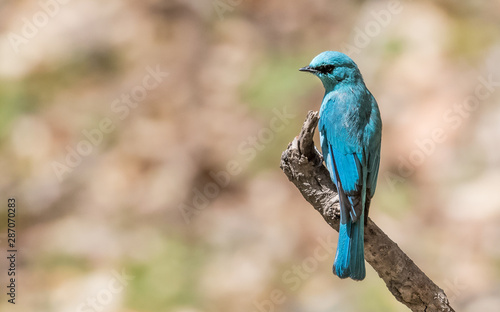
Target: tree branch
(403, 278)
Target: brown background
(129, 201)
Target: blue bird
(350, 131)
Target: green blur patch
(394, 199)
(166, 280)
(83, 69)
(14, 101)
(277, 82)
(471, 38)
(38, 89)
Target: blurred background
(142, 140)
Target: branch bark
(403, 278)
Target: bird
(350, 130)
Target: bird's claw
(318, 158)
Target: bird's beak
(308, 69)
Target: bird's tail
(350, 257)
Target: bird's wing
(373, 136)
(372, 175)
(346, 160)
(373, 165)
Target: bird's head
(333, 68)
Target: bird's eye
(325, 69)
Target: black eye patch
(325, 69)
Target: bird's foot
(318, 158)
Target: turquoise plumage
(350, 131)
